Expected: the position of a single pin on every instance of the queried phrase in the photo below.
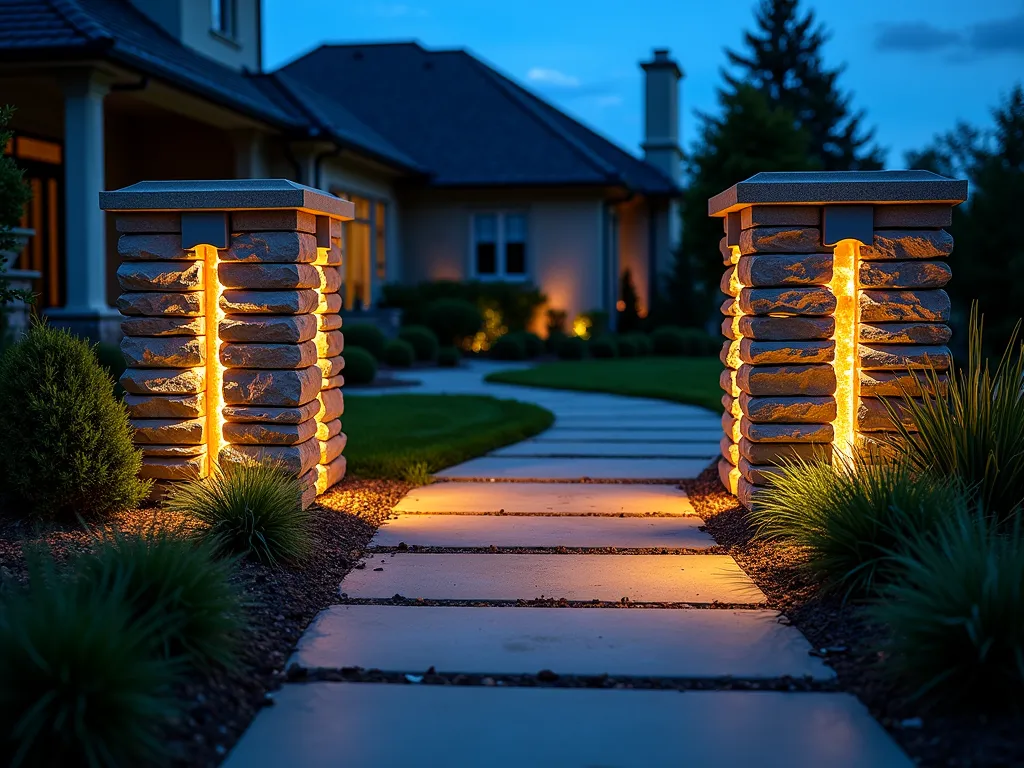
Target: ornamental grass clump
(954, 613)
(65, 442)
(851, 517)
(202, 609)
(253, 510)
(79, 683)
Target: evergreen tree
(14, 194)
(783, 60)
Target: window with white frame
(499, 245)
(223, 17)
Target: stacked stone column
(254, 370)
(834, 293)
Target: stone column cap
(827, 187)
(226, 195)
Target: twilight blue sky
(916, 66)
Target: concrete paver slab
(626, 435)
(626, 420)
(639, 578)
(321, 725)
(535, 531)
(599, 447)
(572, 641)
(546, 499)
(519, 468)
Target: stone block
(334, 382)
(163, 326)
(731, 307)
(904, 333)
(150, 222)
(279, 329)
(174, 467)
(273, 221)
(746, 493)
(190, 304)
(786, 433)
(161, 275)
(298, 302)
(895, 383)
(330, 322)
(330, 343)
(771, 380)
(169, 431)
(774, 270)
(727, 381)
(164, 351)
(780, 216)
(786, 328)
(280, 247)
(730, 354)
(872, 415)
(903, 356)
(781, 453)
(913, 216)
(898, 245)
(271, 414)
(153, 247)
(731, 427)
(332, 405)
(281, 388)
(268, 355)
(336, 228)
(758, 474)
(792, 301)
(329, 303)
(792, 410)
(904, 274)
(731, 328)
(172, 450)
(331, 474)
(780, 240)
(731, 405)
(248, 433)
(730, 450)
(330, 279)
(757, 352)
(728, 474)
(268, 277)
(331, 448)
(166, 406)
(725, 251)
(729, 284)
(325, 430)
(164, 381)
(297, 460)
(904, 306)
(329, 256)
(331, 366)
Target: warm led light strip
(845, 265)
(214, 368)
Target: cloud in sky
(986, 38)
(552, 78)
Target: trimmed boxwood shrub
(453, 320)
(603, 347)
(509, 347)
(688, 342)
(644, 345)
(533, 343)
(626, 346)
(365, 336)
(65, 441)
(448, 357)
(360, 366)
(571, 348)
(424, 341)
(399, 353)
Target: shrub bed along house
(399, 353)
(365, 336)
(360, 366)
(424, 341)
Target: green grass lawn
(389, 436)
(680, 379)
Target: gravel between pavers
(851, 644)
(219, 707)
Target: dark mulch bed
(219, 707)
(852, 645)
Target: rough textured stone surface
(174, 467)
(731, 307)
(903, 356)
(163, 326)
(786, 328)
(728, 284)
(273, 221)
(771, 270)
(796, 301)
(728, 475)
(153, 247)
(280, 247)
(894, 383)
(913, 216)
(332, 405)
(897, 245)
(268, 276)
(190, 304)
(271, 414)
(786, 433)
(298, 302)
(796, 410)
(780, 240)
(730, 354)
(727, 381)
(904, 306)
(173, 450)
(329, 303)
(332, 448)
(730, 450)
(776, 453)
(731, 426)
(285, 329)
(786, 352)
(330, 279)
(329, 475)
(296, 459)
(269, 434)
(731, 328)
(281, 388)
(330, 344)
(725, 251)
(746, 492)
(164, 381)
(160, 276)
(904, 333)
(149, 222)
(330, 322)
(170, 431)
(165, 406)
(904, 274)
(332, 255)
(731, 405)
(268, 355)
(164, 351)
(872, 415)
(331, 366)
(327, 429)
(813, 380)
(780, 216)
(758, 474)
(334, 382)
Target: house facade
(456, 171)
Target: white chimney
(661, 114)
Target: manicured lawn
(680, 379)
(388, 435)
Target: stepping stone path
(657, 605)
